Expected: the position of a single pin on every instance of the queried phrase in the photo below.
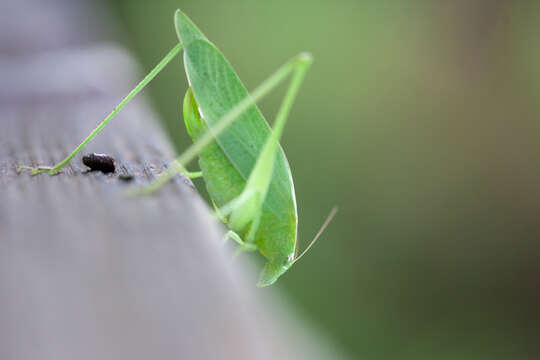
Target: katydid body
(244, 168)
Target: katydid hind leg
(298, 65)
(53, 170)
(261, 175)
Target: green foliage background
(420, 120)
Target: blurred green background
(420, 121)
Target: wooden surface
(86, 272)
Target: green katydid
(245, 170)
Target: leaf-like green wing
(186, 30)
(217, 89)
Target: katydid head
(276, 267)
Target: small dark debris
(99, 162)
(126, 177)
